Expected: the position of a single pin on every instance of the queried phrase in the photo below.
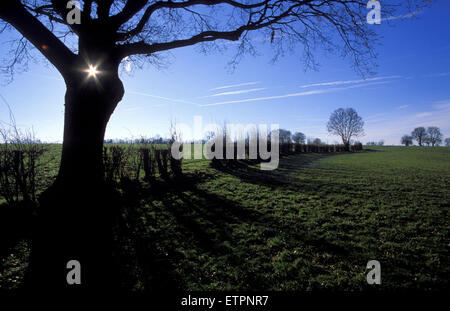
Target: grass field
(312, 224)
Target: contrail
(349, 81)
(164, 98)
(307, 93)
(236, 92)
(234, 85)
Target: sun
(92, 71)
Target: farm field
(313, 223)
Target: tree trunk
(77, 211)
(346, 144)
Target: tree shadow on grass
(160, 222)
(372, 150)
(285, 176)
(186, 218)
(16, 223)
(242, 170)
(278, 178)
(198, 217)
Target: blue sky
(411, 88)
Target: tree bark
(77, 212)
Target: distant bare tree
(317, 141)
(298, 138)
(419, 134)
(345, 123)
(284, 136)
(434, 135)
(407, 140)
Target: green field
(312, 224)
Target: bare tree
(420, 135)
(434, 135)
(298, 138)
(447, 142)
(89, 54)
(284, 136)
(407, 140)
(346, 123)
(317, 141)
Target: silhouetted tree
(447, 142)
(345, 123)
(88, 55)
(434, 135)
(298, 138)
(419, 134)
(407, 140)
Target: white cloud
(402, 106)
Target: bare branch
(131, 8)
(87, 9)
(51, 47)
(104, 7)
(206, 36)
(121, 19)
(60, 7)
(145, 27)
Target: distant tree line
(375, 143)
(157, 139)
(298, 142)
(289, 144)
(430, 136)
